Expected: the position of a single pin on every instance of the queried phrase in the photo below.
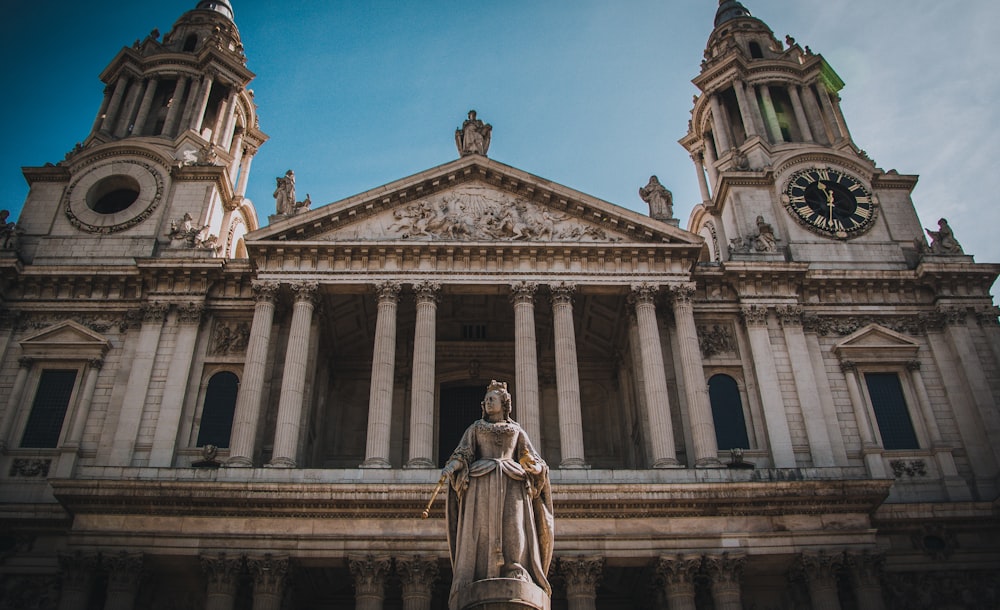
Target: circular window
(113, 194)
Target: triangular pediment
(473, 199)
(67, 339)
(876, 343)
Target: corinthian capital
(387, 291)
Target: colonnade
(677, 576)
(421, 454)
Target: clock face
(830, 202)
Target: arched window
(727, 411)
(190, 43)
(217, 415)
(755, 51)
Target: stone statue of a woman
(499, 507)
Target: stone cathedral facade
(791, 403)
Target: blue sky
(590, 94)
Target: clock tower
(164, 169)
(781, 178)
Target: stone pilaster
(676, 573)
(242, 443)
(955, 486)
(370, 573)
(137, 388)
(383, 376)
(725, 572)
(528, 414)
(871, 450)
(270, 577)
(293, 381)
(176, 106)
(866, 570)
(417, 575)
(661, 431)
(820, 445)
(567, 378)
(581, 575)
(819, 570)
(706, 447)
(14, 402)
(167, 423)
(775, 418)
(77, 578)
(422, 384)
(222, 573)
(125, 574)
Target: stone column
(196, 86)
(776, 420)
(270, 575)
(369, 573)
(676, 574)
(236, 150)
(201, 104)
(522, 296)
(820, 445)
(168, 423)
(223, 575)
(726, 571)
(838, 115)
(125, 574)
(243, 440)
(772, 118)
(226, 107)
(567, 378)
(871, 450)
(710, 159)
(706, 447)
(14, 402)
(699, 168)
(581, 575)
(147, 102)
(102, 112)
(383, 374)
(800, 114)
(115, 105)
(721, 124)
(661, 429)
(816, 360)
(820, 130)
(955, 486)
(77, 574)
(128, 108)
(293, 380)
(422, 385)
(137, 388)
(241, 184)
(225, 138)
(176, 106)
(746, 111)
(829, 114)
(819, 571)
(417, 575)
(865, 569)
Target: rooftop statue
(499, 507)
(473, 137)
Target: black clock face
(830, 202)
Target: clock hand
(829, 199)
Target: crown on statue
(497, 385)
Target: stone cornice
(406, 501)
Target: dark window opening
(755, 51)
(55, 387)
(460, 406)
(220, 405)
(190, 43)
(727, 412)
(113, 194)
(891, 413)
(474, 332)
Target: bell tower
(781, 178)
(163, 171)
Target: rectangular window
(474, 332)
(55, 388)
(891, 412)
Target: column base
(501, 594)
(239, 462)
(375, 463)
(281, 463)
(573, 463)
(667, 463)
(420, 463)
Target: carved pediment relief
(65, 339)
(475, 212)
(875, 343)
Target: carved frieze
(910, 468)
(717, 339)
(29, 467)
(843, 326)
(229, 337)
(474, 213)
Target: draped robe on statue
(499, 508)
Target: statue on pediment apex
(660, 200)
(473, 137)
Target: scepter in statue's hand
(427, 511)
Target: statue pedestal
(502, 594)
